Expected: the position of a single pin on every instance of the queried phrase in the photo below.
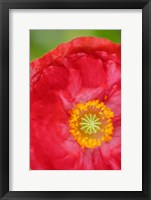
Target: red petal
(48, 128)
(72, 160)
(98, 160)
(113, 72)
(111, 152)
(50, 78)
(91, 69)
(114, 99)
(87, 94)
(75, 81)
(87, 162)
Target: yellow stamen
(91, 124)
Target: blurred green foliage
(42, 41)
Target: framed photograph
(75, 99)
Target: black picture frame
(5, 5)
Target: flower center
(91, 124)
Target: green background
(42, 41)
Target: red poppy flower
(75, 111)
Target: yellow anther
(106, 112)
(98, 142)
(98, 106)
(109, 120)
(105, 97)
(77, 111)
(88, 103)
(103, 108)
(100, 112)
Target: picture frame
(5, 6)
